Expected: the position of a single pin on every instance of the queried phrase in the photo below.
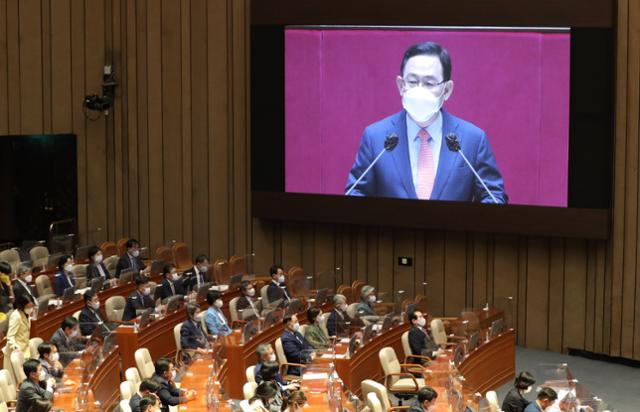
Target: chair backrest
(405, 344)
(43, 285)
(12, 257)
(263, 294)
(176, 335)
(114, 307)
(80, 271)
(132, 375)
(33, 346)
(122, 246)
(124, 406)
(370, 386)
(250, 373)
(3, 407)
(389, 362)
(39, 256)
(181, 255)
(108, 249)
(17, 360)
(323, 323)
(126, 390)
(76, 314)
(144, 363)
(7, 386)
(348, 293)
(374, 403)
(438, 331)
(282, 358)
(110, 263)
(351, 310)
(233, 311)
(492, 399)
(249, 389)
(221, 271)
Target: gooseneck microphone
(390, 143)
(454, 145)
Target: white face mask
(173, 375)
(421, 322)
(251, 292)
(281, 279)
(203, 269)
(175, 276)
(218, 303)
(95, 306)
(68, 268)
(55, 357)
(420, 103)
(344, 307)
(272, 357)
(28, 311)
(372, 298)
(28, 278)
(147, 291)
(296, 327)
(97, 258)
(74, 333)
(135, 253)
(527, 390)
(42, 376)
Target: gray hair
(22, 269)
(338, 299)
(263, 348)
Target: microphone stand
(390, 143)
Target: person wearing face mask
(35, 388)
(68, 340)
(426, 400)
(339, 320)
(270, 372)
(97, 269)
(22, 284)
(247, 304)
(91, 317)
(149, 404)
(365, 308)
(64, 278)
(544, 400)
(277, 292)
(6, 291)
(192, 337)
(214, 317)
(19, 329)
(515, 400)
(172, 284)
(148, 387)
(266, 354)
(264, 396)
(169, 393)
(313, 332)
(139, 300)
(421, 166)
(49, 358)
(131, 260)
(419, 339)
(296, 348)
(197, 275)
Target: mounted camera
(105, 102)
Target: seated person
(265, 393)
(172, 283)
(68, 340)
(296, 348)
(131, 260)
(49, 358)
(266, 354)
(365, 307)
(197, 275)
(34, 388)
(277, 291)
(269, 372)
(148, 404)
(192, 337)
(247, 305)
(214, 318)
(515, 400)
(139, 300)
(65, 278)
(169, 393)
(6, 292)
(420, 340)
(97, 269)
(295, 402)
(545, 398)
(339, 320)
(91, 317)
(22, 284)
(314, 333)
(426, 400)
(148, 387)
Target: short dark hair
(287, 318)
(147, 401)
(312, 314)
(21, 301)
(131, 243)
(547, 393)
(524, 380)
(162, 365)
(244, 285)
(141, 280)
(68, 322)
(429, 48)
(212, 296)
(166, 269)
(265, 391)
(5, 267)
(45, 348)
(201, 258)
(269, 370)
(88, 295)
(149, 385)
(427, 393)
(274, 269)
(93, 250)
(411, 315)
(30, 366)
(191, 309)
(62, 260)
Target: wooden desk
(197, 378)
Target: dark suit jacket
(89, 319)
(126, 261)
(421, 343)
(297, 350)
(29, 394)
(135, 301)
(165, 289)
(169, 395)
(192, 336)
(514, 401)
(275, 292)
(243, 303)
(134, 402)
(391, 176)
(67, 348)
(61, 283)
(93, 272)
(19, 289)
(337, 325)
(532, 407)
(190, 279)
(56, 373)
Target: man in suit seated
(22, 284)
(172, 284)
(247, 305)
(277, 292)
(147, 387)
(545, 398)
(97, 269)
(169, 393)
(426, 400)
(197, 275)
(131, 259)
(64, 279)
(35, 388)
(192, 337)
(140, 299)
(49, 358)
(422, 166)
(68, 340)
(339, 320)
(419, 339)
(296, 348)
(266, 354)
(91, 317)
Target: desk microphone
(454, 145)
(390, 143)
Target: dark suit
(29, 394)
(514, 401)
(93, 272)
(134, 402)
(20, 289)
(532, 407)
(421, 343)
(192, 277)
(129, 262)
(67, 348)
(336, 324)
(169, 395)
(276, 292)
(243, 304)
(136, 301)
(50, 371)
(89, 320)
(192, 336)
(392, 175)
(257, 373)
(167, 292)
(296, 349)
(61, 282)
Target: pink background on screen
(513, 85)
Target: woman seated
(214, 318)
(192, 337)
(313, 333)
(264, 397)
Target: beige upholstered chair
(33, 346)
(406, 348)
(323, 323)
(351, 310)
(133, 376)
(249, 389)
(124, 406)
(250, 373)
(114, 308)
(144, 363)
(398, 380)
(373, 402)
(4, 407)
(126, 390)
(39, 256)
(439, 333)
(43, 285)
(12, 257)
(492, 399)
(282, 360)
(110, 263)
(370, 386)
(7, 386)
(233, 311)
(263, 293)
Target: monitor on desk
(235, 280)
(496, 327)
(43, 306)
(294, 307)
(145, 317)
(96, 285)
(458, 355)
(250, 330)
(69, 294)
(387, 323)
(473, 340)
(174, 303)
(369, 333)
(274, 317)
(204, 289)
(321, 296)
(126, 276)
(157, 266)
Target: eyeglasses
(429, 84)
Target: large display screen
(467, 114)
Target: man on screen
(421, 166)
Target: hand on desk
(293, 386)
(191, 394)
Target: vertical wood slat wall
(171, 161)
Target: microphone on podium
(390, 143)
(454, 145)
